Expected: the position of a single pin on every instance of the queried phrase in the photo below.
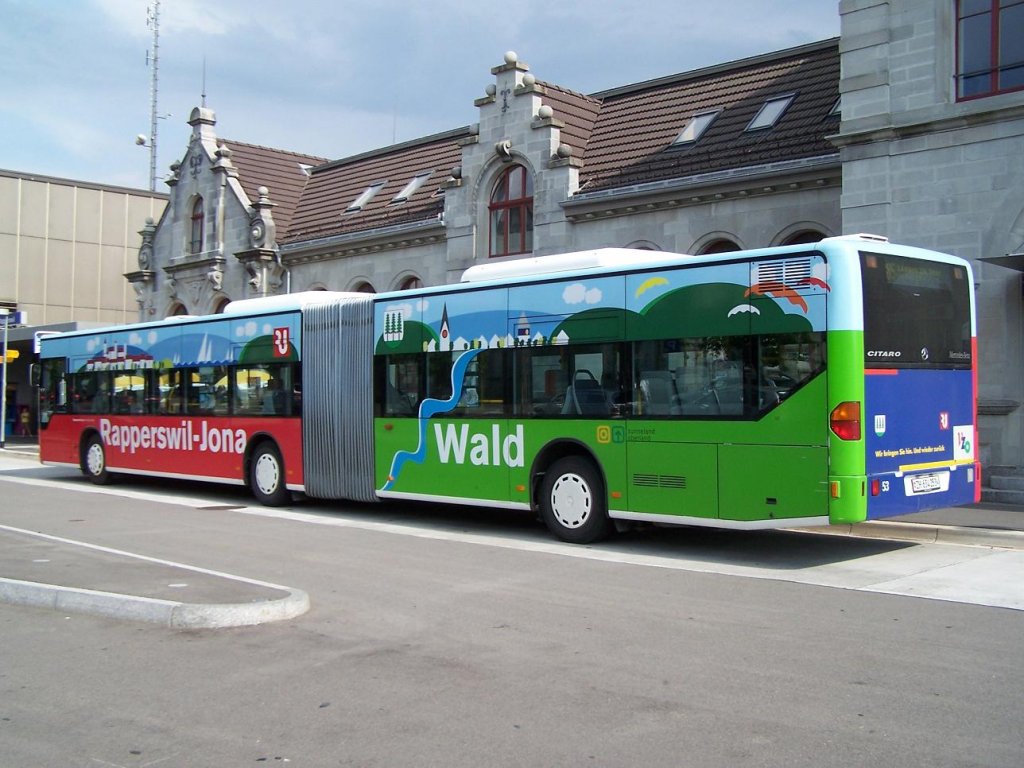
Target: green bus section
(696, 391)
(774, 468)
(847, 468)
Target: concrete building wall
(65, 246)
(924, 169)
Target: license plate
(925, 483)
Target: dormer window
(770, 112)
(409, 189)
(195, 245)
(366, 196)
(837, 108)
(694, 129)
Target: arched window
(409, 283)
(802, 237)
(719, 246)
(196, 240)
(178, 309)
(511, 213)
(365, 287)
(221, 306)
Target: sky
(331, 78)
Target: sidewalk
(80, 577)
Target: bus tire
(94, 461)
(572, 501)
(266, 476)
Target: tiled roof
(335, 186)
(632, 140)
(577, 111)
(278, 170)
(624, 137)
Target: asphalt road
(455, 638)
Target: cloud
(578, 293)
(333, 79)
(405, 309)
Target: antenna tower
(153, 22)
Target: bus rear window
(917, 314)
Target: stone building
(722, 158)
(217, 238)
(924, 147)
(932, 150)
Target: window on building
(366, 196)
(990, 47)
(770, 112)
(196, 239)
(803, 237)
(409, 189)
(364, 287)
(511, 213)
(696, 127)
(721, 245)
(410, 283)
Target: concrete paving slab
(76, 576)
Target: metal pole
(6, 315)
(154, 20)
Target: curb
(926, 533)
(169, 613)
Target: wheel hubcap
(571, 500)
(94, 459)
(267, 474)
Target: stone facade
(541, 127)
(925, 169)
(217, 238)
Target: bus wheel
(572, 501)
(94, 461)
(266, 476)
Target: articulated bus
(803, 385)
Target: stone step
(996, 496)
(1006, 482)
(1002, 471)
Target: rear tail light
(844, 420)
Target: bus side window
(401, 384)
(92, 392)
(297, 389)
(52, 389)
(541, 381)
(171, 392)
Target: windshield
(916, 313)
